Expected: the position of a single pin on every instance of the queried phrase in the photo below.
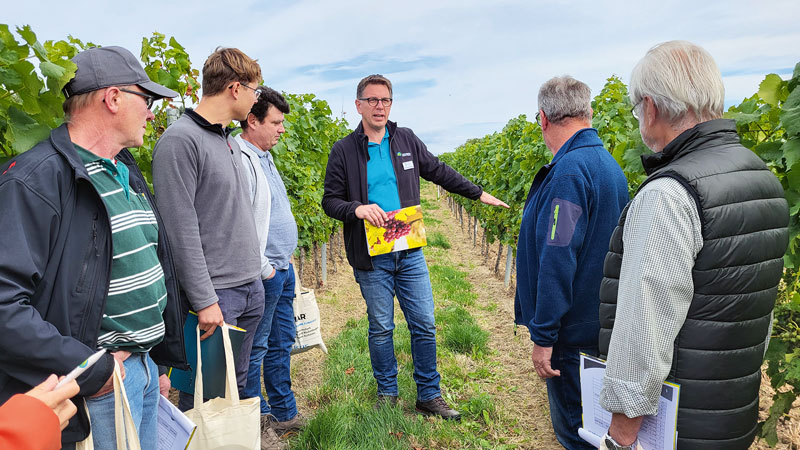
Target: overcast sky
(460, 69)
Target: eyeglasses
(373, 101)
(538, 119)
(257, 92)
(633, 110)
(148, 99)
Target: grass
(437, 239)
(346, 417)
(451, 285)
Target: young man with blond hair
(205, 202)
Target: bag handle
(231, 388)
(231, 393)
(297, 287)
(123, 420)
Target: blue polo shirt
(381, 179)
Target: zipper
(88, 257)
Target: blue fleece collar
(586, 137)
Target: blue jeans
(272, 350)
(277, 362)
(403, 274)
(141, 385)
(564, 395)
(243, 307)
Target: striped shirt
(137, 294)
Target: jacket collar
(215, 128)
(586, 137)
(720, 131)
(362, 137)
(64, 146)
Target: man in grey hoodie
(202, 190)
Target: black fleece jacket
(346, 182)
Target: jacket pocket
(89, 265)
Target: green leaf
(52, 70)
(24, 132)
(791, 152)
(173, 43)
(769, 89)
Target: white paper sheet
(657, 433)
(175, 430)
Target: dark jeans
(243, 307)
(272, 348)
(564, 394)
(403, 274)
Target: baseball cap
(101, 67)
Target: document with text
(658, 432)
(175, 430)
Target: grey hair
(562, 97)
(682, 80)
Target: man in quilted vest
(689, 298)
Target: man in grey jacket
(202, 192)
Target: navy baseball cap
(101, 67)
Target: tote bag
(306, 319)
(225, 422)
(123, 420)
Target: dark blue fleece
(572, 209)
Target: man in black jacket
(373, 170)
(84, 265)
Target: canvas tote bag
(306, 319)
(224, 422)
(123, 420)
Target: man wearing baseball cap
(85, 264)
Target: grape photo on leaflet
(404, 230)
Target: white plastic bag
(306, 319)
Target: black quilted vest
(719, 350)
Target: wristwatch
(611, 444)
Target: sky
(460, 69)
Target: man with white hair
(571, 210)
(690, 299)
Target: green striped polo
(137, 294)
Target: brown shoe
(437, 407)
(390, 400)
(293, 425)
(270, 440)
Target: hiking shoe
(390, 400)
(437, 407)
(270, 440)
(293, 425)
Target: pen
(77, 371)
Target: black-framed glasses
(257, 92)
(539, 118)
(148, 99)
(373, 101)
(633, 109)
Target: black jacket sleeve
(335, 199)
(433, 170)
(32, 348)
